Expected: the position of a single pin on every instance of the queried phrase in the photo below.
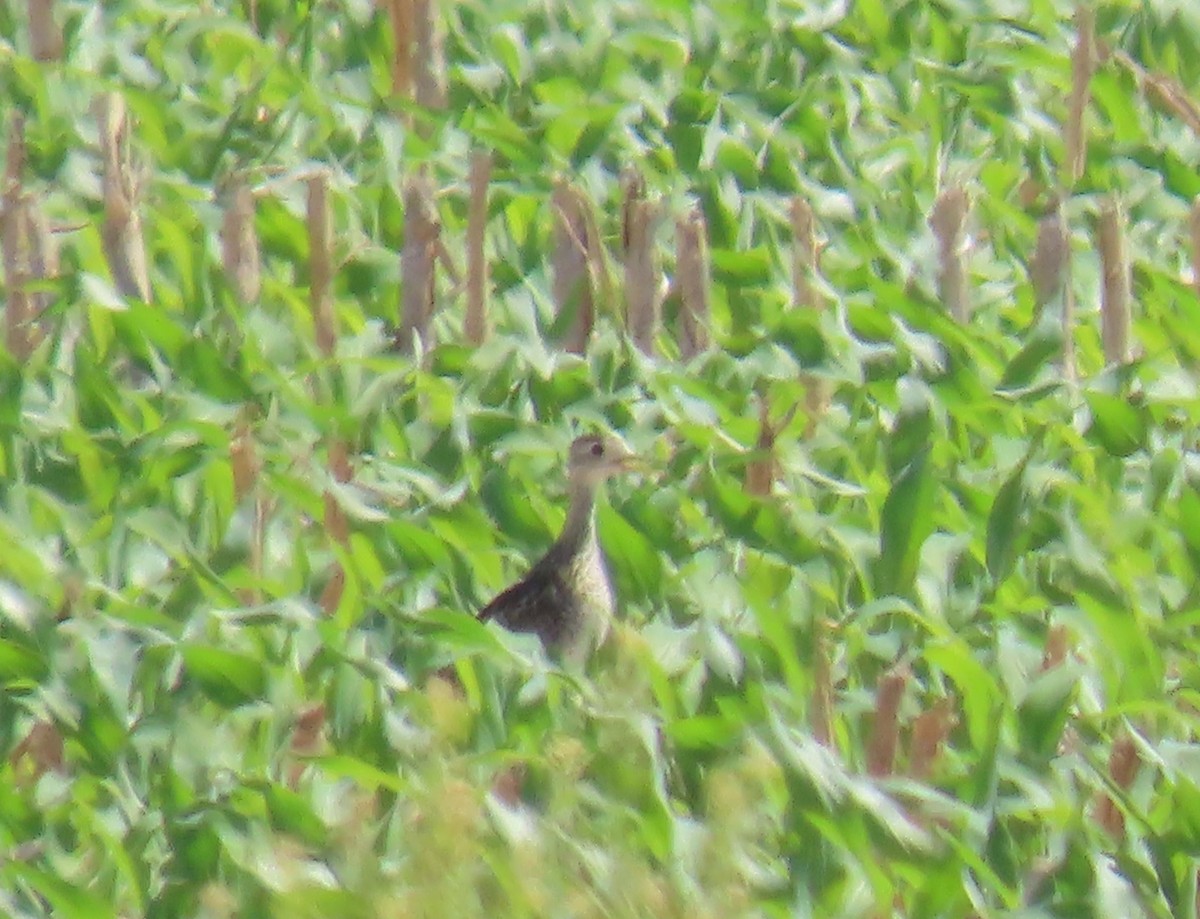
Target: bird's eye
(597, 449)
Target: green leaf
(1007, 531)
(353, 501)
(66, 899)
(907, 521)
(977, 687)
(19, 663)
(292, 814)
(631, 556)
(162, 528)
(1117, 426)
(801, 331)
(508, 46)
(1045, 709)
(870, 323)
(1037, 355)
(693, 106)
(212, 372)
(735, 158)
(911, 436)
(1189, 520)
(703, 732)
(362, 773)
(748, 267)
(419, 546)
(102, 293)
(229, 678)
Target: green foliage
(957, 510)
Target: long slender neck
(581, 522)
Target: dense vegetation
(976, 575)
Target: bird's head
(594, 458)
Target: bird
(566, 599)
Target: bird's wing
(535, 604)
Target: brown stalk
(258, 542)
(43, 264)
(573, 284)
(1115, 295)
(72, 596)
(633, 189)
(642, 296)
(1083, 65)
(885, 726)
(331, 594)
(45, 37)
(418, 262)
(442, 254)
(29, 251)
(1030, 191)
(13, 238)
(929, 733)
(476, 324)
(339, 467)
(947, 222)
(121, 233)
(246, 468)
(339, 464)
(1050, 272)
(1041, 873)
(239, 241)
(320, 263)
(763, 468)
(597, 259)
(509, 784)
(693, 281)
(14, 155)
(1166, 92)
(805, 254)
(40, 751)
(1194, 230)
(1048, 267)
(335, 524)
(400, 14)
(308, 740)
(320, 234)
(1058, 646)
(307, 733)
(429, 56)
(43, 252)
(1123, 766)
(243, 458)
(822, 694)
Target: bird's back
(566, 600)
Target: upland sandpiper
(566, 599)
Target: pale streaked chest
(595, 592)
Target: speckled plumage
(566, 599)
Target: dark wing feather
(540, 603)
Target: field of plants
(304, 303)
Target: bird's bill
(631, 462)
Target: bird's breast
(594, 590)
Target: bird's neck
(580, 527)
